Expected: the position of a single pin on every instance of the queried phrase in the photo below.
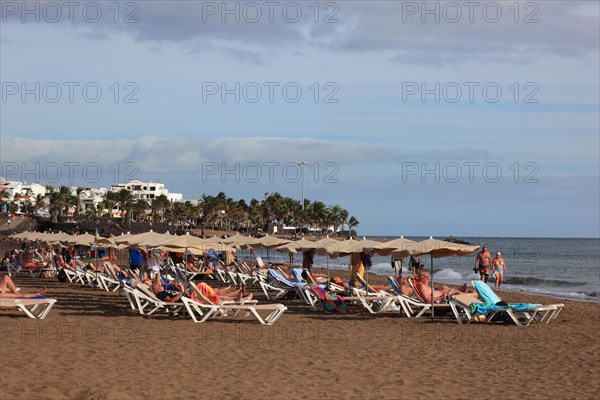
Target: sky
(420, 118)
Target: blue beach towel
(488, 296)
(279, 277)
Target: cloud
(185, 155)
(453, 33)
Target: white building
(27, 192)
(23, 189)
(147, 190)
(90, 198)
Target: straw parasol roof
(352, 246)
(193, 244)
(240, 241)
(140, 237)
(400, 247)
(326, 246)
(440, 248)
(79, 240)
(269, 242)
(294, 247)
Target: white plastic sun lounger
(147, 302)
(33, 308)
(266, 314)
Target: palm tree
(343, 218)
(39, 203)
(109, 202)
(91, 212)
(352, 223)
(58, 201)
(335, 216)
(254, 214)
(124, 199)
(159, 205)
(139, 209)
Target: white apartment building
(90, 198)
(23, 189)
(147, 190)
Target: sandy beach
(92, 346)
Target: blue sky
(542, 133)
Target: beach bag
(61, 276)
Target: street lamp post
(302, 164)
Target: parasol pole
(328, 277)
(431, 275)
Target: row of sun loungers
(276, 285)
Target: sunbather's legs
(7, 283)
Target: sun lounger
(108, 280)
(408, 303)
(467, 308)
(442, 307)
(266, 314)
(131, 297)
(334, 303)
(310, 279)
(147, 302)
(201, 296)
(282, 286)
(330, 302)
(245, 276)
(528, 312)
(33, 308)
(15, 266)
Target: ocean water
(567, 268)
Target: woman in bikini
(499, 268)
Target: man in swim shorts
(482, 263)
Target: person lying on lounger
(167, 295)
(199, 266)
(7, 283)
(405, 287)
(216, 296)
(27, 261)
(441, 293)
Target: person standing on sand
(482, 264)
(499, 269)
(357, 268)
(308, 257)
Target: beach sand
(92, 346)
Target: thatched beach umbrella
(400, 247)
(80, 240)
(324, 247)
(189, 241)
(269, 242)
(137, 238)
(240, 241)
(294, 247)
(437, 249)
